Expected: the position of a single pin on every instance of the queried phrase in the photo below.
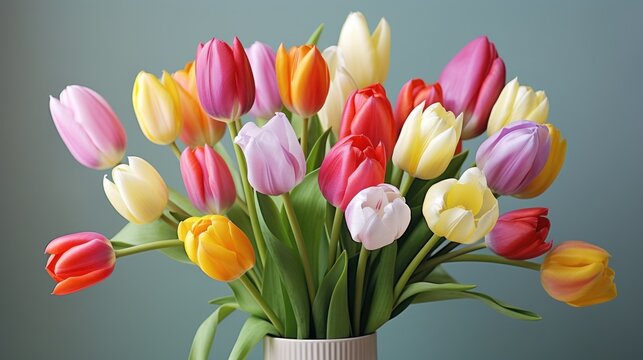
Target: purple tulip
(471, 83)
(89, 127)
(514, 156)
(262, 62)
(276, 162)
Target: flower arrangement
(338, 210)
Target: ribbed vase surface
(359, 348)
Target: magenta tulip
(225, 84)
(276, 162)
(89, 127)
(207, 180)
(471, 82)
(520, 234)
(267, 99)
(514, 156)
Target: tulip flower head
(377, 216)
(427, 141)
(367, 55)
(303, 79)
(80, 260)
(518, 102)
(350, 166)
(463, 210)
(89, 127)
(186, 77)
(276, 162)
(262, 62)
(520, 234)
(577, 273)
(157, 107)
(368, 112)
(224, 79)
(471, 83)
(138, 192)
(514, 156)
(412, 94)
(341, 86)
(207, 179)
(217, 246)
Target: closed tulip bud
(367, 55)
(577, 273)
(520, 234)
(554, 163)
(427, 141)
(303, 79)
(207, 180)
(186, 77)
(514, 156)
(262, 62)
(276, 162)
(80, 260)
(368, 112)
(412, 94)
(138, 192)
(224, 79)
(89, 127)
(350, 166)
(463, 210)
(157, 107)
(518, 102)
(217, 246)
(341, 86)
(377, 216)
(471, 83)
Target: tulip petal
(74, 284)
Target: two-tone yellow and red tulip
(412, 94)
(157, 107)
(303, 79)
(577, 273)
(217, 246)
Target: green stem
(168, 220)
(410, 269)
(334, 236)
(496, 260)
(250, 199)
(407, 181)
(359, 290)
(435, 261)
(172, 206)
(396, 176)
(304, 136)
(155, 245)
(242, 205)
(262, 303)
(175, 150)
(301, 245)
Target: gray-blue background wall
(586, 54)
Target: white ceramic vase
(358, 348)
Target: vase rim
(362, 337)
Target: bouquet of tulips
(337, 210)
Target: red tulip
(412, 94)
(368, 112)
(520, 234)
(352, 165)
(79, 260)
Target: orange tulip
(303, 79)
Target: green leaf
(204, 336)
(417, 192)
(338, 325)
(270, 216)
(241, 219)
(314, 37)
(223, 300)
(410, 245)
(117, 245)
(380, 289)
(317, 153)
(440, 276)
(252, 332)
(499, 306)
(315, 129)
(427, 287)
(245, 300)
(137, 234)
(273, 293)
(183, 202)
(324, 293)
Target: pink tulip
(207, 180)
(267, 99)
(224, 79)
(471, 82)
(520, 234)
(89, 127)
(79, 260)
(276, 162)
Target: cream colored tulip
(367, 55)
(341, 86)
(518, 102)
(427, 141)
(157, 107)
(463, 210)
(138, 192)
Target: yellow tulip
(554, 163)
(427, 141)
(517, 102)
(463, 210)
(217, 246)
(157, 107)
(577, 273)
